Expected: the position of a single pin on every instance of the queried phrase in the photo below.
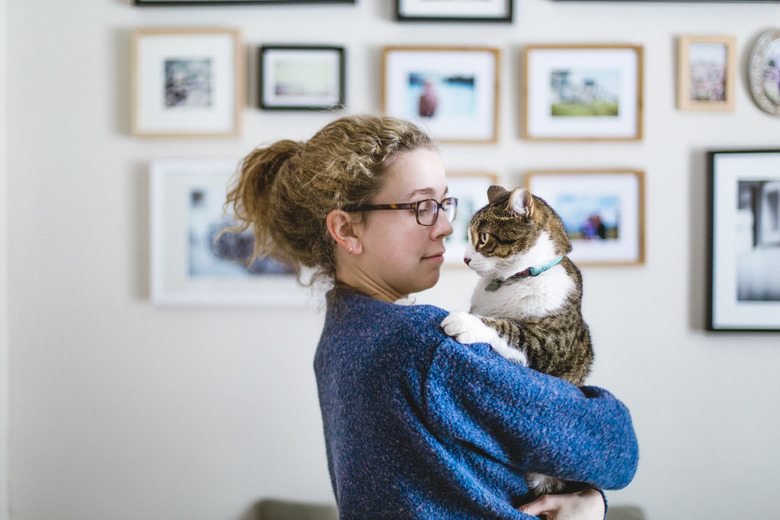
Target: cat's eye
(483, 238)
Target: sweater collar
(531, 271)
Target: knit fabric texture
(418, 425)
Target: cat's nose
(467, 260)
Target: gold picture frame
(582, 92)
(602, 210)
(451, 92)
(187, 82)
(706, 72)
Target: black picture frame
(193, 3)
(446, 11)
(303, 88)
(743, 196)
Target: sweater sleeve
(527, 420)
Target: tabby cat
(527, 303)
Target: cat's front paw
(466, 328)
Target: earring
(350, 251)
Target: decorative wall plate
(764, 72)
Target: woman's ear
(344, 230)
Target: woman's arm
(588, 504)
(528, 420)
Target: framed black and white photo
(187, 83)
(191, 262)
(764, 72)
(301, 77)
(454, 11)
(582, 92)
(706, 72)
(744, 240)
(470, 188)
(452, 92)
(602, 210)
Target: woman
(417, 425)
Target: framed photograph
(470, 188)
(191, 264)
(234, 2)
(744, 240)
(764, 72)
(454, 11)
(706, 72)
(301, 77)
(602, 210)
(452, 92)
(582, 92)
(187, 82)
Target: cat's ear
(495, 192)
(521, 202)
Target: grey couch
(271, 509)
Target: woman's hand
(587, 504)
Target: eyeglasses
(426, 211)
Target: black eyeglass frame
(410, 205)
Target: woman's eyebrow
(429, 192)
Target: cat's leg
(467, 328)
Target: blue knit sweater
(420, 426)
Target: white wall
(119, 409)
(3, 285)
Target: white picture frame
(470, 188)
(461, 82)
(187, 267)
(582, 92)
(602, 210)
(187, 83)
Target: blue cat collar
(531, 271)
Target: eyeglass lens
(428, 210)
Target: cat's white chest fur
(531, 297)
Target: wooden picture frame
(189, 265)
(493, 11)
(470, 188)
(451, 92)
(187, 83)
(582, 92)
(743, 290)
(602, 210)
(301, 77)
(764, 72)
(706, 72)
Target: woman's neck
(358, 280)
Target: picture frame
(496, 11)
(298, 77)
(189, 265)
(743, 289)
(451, 92)
(470, 188)
(602, 210)
(194, 3)
(187, 83)
(764, 72)
(582, 92)
(706, 72)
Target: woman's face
(400, 255)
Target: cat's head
(515, 231)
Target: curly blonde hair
(286, 190)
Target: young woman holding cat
(416, 424)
